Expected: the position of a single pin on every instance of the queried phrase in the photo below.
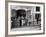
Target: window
(37, 9)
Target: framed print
(25, 18)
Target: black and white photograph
(25, 18)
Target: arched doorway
(22, 14)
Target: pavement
(26, 28)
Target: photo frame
(25, 18)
